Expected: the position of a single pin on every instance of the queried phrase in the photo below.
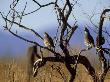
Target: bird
(88, 39)
(48, 41)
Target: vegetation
(15, 70)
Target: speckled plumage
(48, 42)
(88, 39)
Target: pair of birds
(88, 40)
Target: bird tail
(54, 50)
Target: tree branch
(24, 27)
(99, 45)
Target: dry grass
(14, 70)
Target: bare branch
(22, 13)
(99, 45)
(70, 9)
(37, 3)
(40, 6)
(71, 33)
(44, 4)
(24, 27)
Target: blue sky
(45, 20)
(46, 17)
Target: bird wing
(51, 41)
(91, 40)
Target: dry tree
(64, 33)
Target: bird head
(86, 30)
(45, 34)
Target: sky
(45, 20)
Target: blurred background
(45, 20)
